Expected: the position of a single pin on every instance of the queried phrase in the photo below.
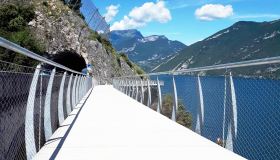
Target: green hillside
(240, 42)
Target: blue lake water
(258, 111)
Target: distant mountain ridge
(241, 41)
(148, 52)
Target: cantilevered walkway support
(112, 126)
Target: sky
(188, 21)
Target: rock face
(59, 28)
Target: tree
(182, 117)
(74, 4)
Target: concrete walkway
(112, 126)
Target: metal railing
(34, 101)
(239, 111)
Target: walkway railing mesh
(34, 101)
(235, 105)
(92, 16)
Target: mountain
(240, 42)
(147, 52)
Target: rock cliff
(60, 28)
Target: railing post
(86, 84)
(81, 92)
(200, 112)
(125, 92)
(127, 87)
(234, 105)
(84, 90)
(232, 126)
(137, 90)
(81, 88)
(133, 89)
(175, 101)
(130, 88)
(121, 87)
(142, 93)
(77, 90)
(47, 110)
(29, 117)
(114, 84)
(60, 100)
(224, 114)
(74, 93)
(149, 94)
(69, 104)
(159, 106)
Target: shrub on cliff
(14, 18)
(16, 24)
(183, 117)
(13, 26)
(133, 66)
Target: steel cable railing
(34, 101)
(91, 15)
(239, 111)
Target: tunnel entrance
(70, 59)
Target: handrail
(263, 61)
(16, 48)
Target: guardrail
(240, 112)
(135, 88)
(35, 101)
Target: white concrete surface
(112, 126)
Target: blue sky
(185, 20)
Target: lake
(258, 111)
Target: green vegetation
(75, 5)
(45, 3)
(105, 43)
(13, 26)
(133, 66)
(242, 41)
(183, 117)
(109, 48)
(14, 17)
(126, 59)
(96, 36)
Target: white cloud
(211, 12)
(139, 16)
(112, 11)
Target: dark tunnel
(70, 59)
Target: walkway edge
(57, 140)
